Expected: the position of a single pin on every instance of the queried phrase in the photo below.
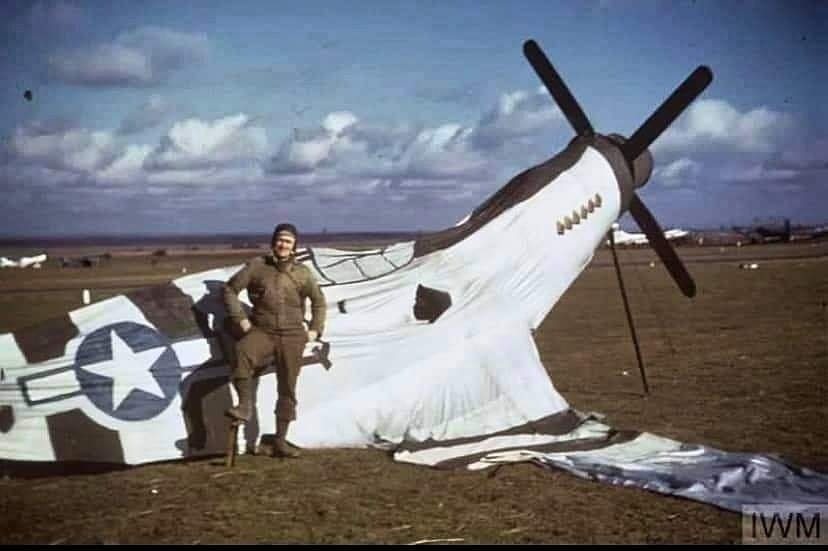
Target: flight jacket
(278, 291)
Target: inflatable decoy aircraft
(428, 349)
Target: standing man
(278, 287)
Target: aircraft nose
(642, 168)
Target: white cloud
(742, 173)
(345, 158)
(141, 57)
(516, 114)
(343, 188)
(300, 155)
(679, 172)
(22, 178)
(196, 144)
(228, 176)
(167, 49)
(69, 149)
(107, 64)
(227, 151)
(443, 152)
(712, 125)
(451, 160)
(335, 123)
(356, 163)
(346, 145)
(128, 167)
(306, 150)
(810, 155)
(756, 146)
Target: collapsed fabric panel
(725, 479)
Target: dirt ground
(741, 367)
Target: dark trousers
(254, 351)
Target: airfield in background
(91, 251)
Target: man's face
(283, 245)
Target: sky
(210, 117)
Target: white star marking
(128, 370)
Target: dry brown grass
(742, 367)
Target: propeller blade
(555, 85)
(629, 314)
(666, 113)
(647, 222)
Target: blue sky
(214, 117)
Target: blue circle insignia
(128, 370)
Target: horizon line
(265, 236)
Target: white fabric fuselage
(475, 370)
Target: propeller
(655, 236)
(555, 85)
(666, 113)
(641, 139)
(631, 149)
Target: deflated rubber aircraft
(428, 350)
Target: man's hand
(245, 325)
(312, 336)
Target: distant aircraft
(623, 238)
(27, 261)
(24, 262)
(767, 231)
(88, 261)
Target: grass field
(742, 367)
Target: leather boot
(281, 448)
(244, 410)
